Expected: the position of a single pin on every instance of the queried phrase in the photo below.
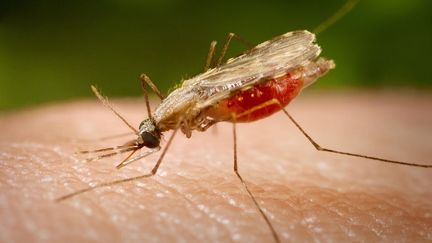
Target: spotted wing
(270, 58)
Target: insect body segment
(254, 103)
(252, 86)
(275, 69)
(249, 87)
(270, 95)
(149, 135)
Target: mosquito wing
(268, 59)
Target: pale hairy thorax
(196, 197)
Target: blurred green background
(53, 50)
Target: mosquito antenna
(346, 8)
(319, 148)
(105, 102)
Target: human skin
(308, 195)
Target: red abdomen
(259, 101)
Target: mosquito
(249, 87)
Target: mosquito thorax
(149, 135)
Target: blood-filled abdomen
(257, 102)
(269, 95)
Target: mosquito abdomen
(270, 95)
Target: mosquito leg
(210, 55)
(111, 183)
(212, 50)
(146, 80)
(346, 8)
(229, 37)
(273, 231)
(315, 144)
(319, 148)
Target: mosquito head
(149, 135)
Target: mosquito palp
(105, 149)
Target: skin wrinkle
(227, 201)
(307, 203)
(341, 215)
(219, 221)
(392, 206)
(225, 196)
(310, 224)
(215, 220)
(191, 202)
(194, 204)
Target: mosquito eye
(150, 140)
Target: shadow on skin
(196, 197)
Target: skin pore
(196, 197)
